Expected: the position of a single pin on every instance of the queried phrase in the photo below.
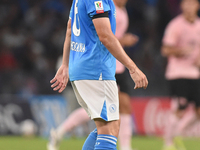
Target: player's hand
(197, 62)
(59, 82)
(130, 39)
(139, 78)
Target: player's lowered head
(190, 9)
(120, 3)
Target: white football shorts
(99, 98)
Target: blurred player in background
(181, 45)
(92, 68)
(122, 77)
(79, 116)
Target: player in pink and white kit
(181, 45)
(79, 116)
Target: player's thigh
(124, 103)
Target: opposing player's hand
(130, 39)
(139, 78)
(59, 82)
(197, 62)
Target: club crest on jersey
(113, 108)
(99, 7)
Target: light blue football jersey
(89, 58)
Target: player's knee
(114, 128)
(182, 107)
(198, 111)
(110, 128)
(183, 103)
(180, 113)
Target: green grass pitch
(138, 142)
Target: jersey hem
(75, 79)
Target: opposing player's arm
(59, 82)
(168, 50)
(106, 36)
(197, 61)
(128, 40)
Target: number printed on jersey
(99, 7)
(75, 29)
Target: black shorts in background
(123, 81)
(187, 88)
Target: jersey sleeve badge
(99, 7)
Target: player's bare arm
(128, 40)
(174, 51)
(197, 61)
(103, 29)
(59, 82)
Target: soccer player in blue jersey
(89, 62)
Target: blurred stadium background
(31, 38)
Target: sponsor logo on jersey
(78, 47)
(99, 7)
